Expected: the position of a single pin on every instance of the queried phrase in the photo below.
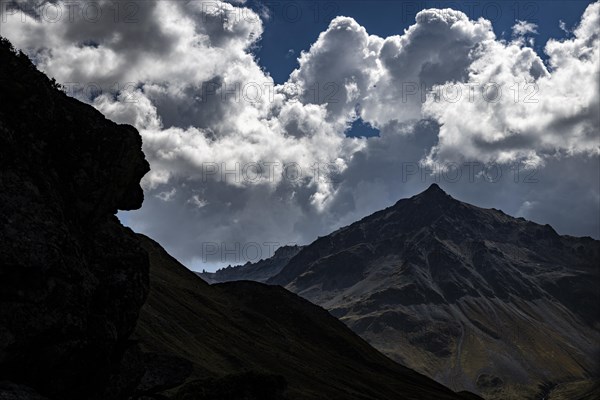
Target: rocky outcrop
(72, 278)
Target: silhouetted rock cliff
(72, 278)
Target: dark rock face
(163, 372)
(247, 386)
(12, 391)
(72, 278)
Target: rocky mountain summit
(472, 297)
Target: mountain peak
(433, 193)
(409, 277)
(434, 188)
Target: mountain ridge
(259, 271)
(470, 296)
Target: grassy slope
(241, 326)
(578, 390)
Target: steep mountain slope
(72, 278)
(259, 271)
(265, 331)
(471, 297)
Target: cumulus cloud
(521, 108)
(438, 48)
(386, 79)
(330, 74)
(237, 159)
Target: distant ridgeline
(259, 271)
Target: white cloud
(563, 26)
(541, 111)
(197, 201)
(438, 48)
(522, 28)
(167, 195)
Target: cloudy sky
(268, 123)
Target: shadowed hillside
(242, 327)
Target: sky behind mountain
(269, 123)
